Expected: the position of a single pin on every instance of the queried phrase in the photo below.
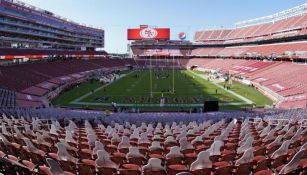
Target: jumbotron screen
(144, 33)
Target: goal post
(173, 75)
(151, 78)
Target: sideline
(154, 105)
(77, 100)
(247, 101)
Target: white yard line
(247, 101)
(154, 105)
(76, 101)
(139, 80)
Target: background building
(26, 26)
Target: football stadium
(170, 97)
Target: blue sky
(115, 16)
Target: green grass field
(134, 90)
(250, 93)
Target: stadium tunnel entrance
(129, 67)
(194, 67)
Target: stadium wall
(26, 26)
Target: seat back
(265, 131)
(260, 125)
(53, 129)
(92, 138)
(270, 135)
(124, 143)
(153, 165)
(185, 144)
(98, 146)
(135, 135)
(40, 139)
(4, 130)
(18, 133)
(28, 130)
(143, 139)
(197, 139)
(67, 146)
(184, 173)
(54, 167)
(103, 160)
(277, 141)
(296, 135)
(170, 139)
(63, 153)
(248, 144)
(134, 152)
(4, 140)
(282, 150)
(115, 139)
(285, 128)
(69, 137)
(30, 146)
(155, 145)
(202, 161)
(304, 147)
(289, 132)
(242, 141)
(215, 148)
(174, 152)
(293, 164)
(247, 157)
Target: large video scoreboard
(148, 33)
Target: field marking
(78, 100)
(140, 79)
(247, 101)
(154, 104)
(98, 89)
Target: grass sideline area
(134, 89)
(251, 93)
(68, 96)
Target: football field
(145, 89)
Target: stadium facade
(256, 52)
(280, 36)
(38, 139)
(161, 49)
(25, 26)
(289, 25)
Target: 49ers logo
(148, 33)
